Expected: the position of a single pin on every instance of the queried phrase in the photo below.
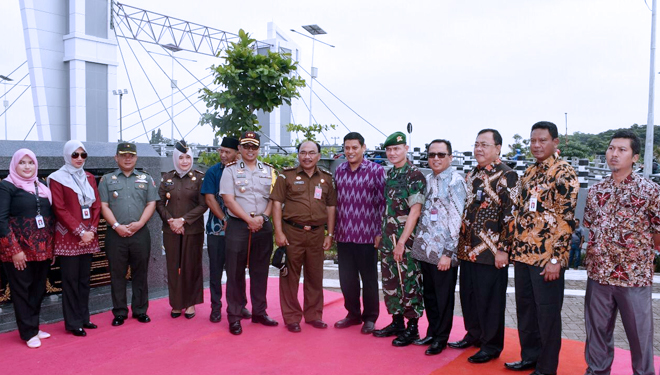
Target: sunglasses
(75, 155)
(439, 155)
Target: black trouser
(538, 305)
(28, 288)
(359, 261)
(439, 295)
(134, 252)
(483, 302)
(76, 271)
(216, 248)
(261, 248)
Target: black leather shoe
(482, 357)
(318, 324)
(78, 332)
(520, 365)
(189, 316)
(245, 314)
(265, 320)
(428, 340)
(175, 315)
(90, 325)
(435, 348)
(235, 328)
(396, 327)
(539, 373)
(142, 318)
(216, 316)
(347, 322)
(118, 320)
(409, 335)
(293, 327)
(463, 344)
(368, 327)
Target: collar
(444, 174)
(300, 170)
(490, 166)
(347, 166)
(632, 178)
(118, 171)
(404, 168)
(547, 163)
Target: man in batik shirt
(484, 246)
(623, 213)
(545, 219)
(436, 241)
(402, 278)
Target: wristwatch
(265, 217)
(115, 225)
(553, 261)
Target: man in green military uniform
(128, 199)
(401, 273)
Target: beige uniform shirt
(250, 188)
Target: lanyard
(81, 189)
(36, 194)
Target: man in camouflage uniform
(404, 196)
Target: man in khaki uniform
(309, 198)
(245, 187)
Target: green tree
(252, 82)
(309, 132)
(157, 138)
(518, 144)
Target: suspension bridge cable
(314, 118)
(14, 85)
(170, 78)
(15, 100)
(347, 106)
(131, 84)
(326, 106)
(156, 102)
(153, 88)
(164, 122)
(12, 72)
(30, 131)
(186, 69)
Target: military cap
(127, 148)
(396, 138)
(249, 137)
(229, 142)
(182, 146)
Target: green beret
(397, 138)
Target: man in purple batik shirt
(360, 186)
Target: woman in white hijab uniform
(182, 207)
(77, 207)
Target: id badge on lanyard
(39, 219)
(533, 200)
(318, 192)
(434, 214)
(86, 214)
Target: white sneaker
(34, 342)
(43, 335)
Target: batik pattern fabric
(404, 187)
(360, 202)
(488, 222)
(439, 226)
(623, 219)
(543, 230)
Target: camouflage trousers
(409, 301)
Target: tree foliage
(311, 131)
(252, 81)
(157, 138)
(519, 145)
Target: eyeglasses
(311, 154)
(482, 145)
(75, 155)
(250, 147)
(439, 155)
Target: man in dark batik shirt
(483, 248)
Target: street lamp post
(314, 30)
(121, 94)
(5, 102)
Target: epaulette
(200, 172)
(325, 171)
(142, 171)
(268, 164)
(290, 168)
(230, 164)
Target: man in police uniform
(128, 199)
(216, 225)
(245, 188)
(309, 198)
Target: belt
(299, 226)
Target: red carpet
(168, 346)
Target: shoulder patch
(282, 175)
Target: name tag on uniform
(434, 214)
(298, 182)
(480, 194)
(318, 192)
(533, 202)
(40, 221)
(86, 214)
(141, 180)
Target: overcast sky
(450, 68)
